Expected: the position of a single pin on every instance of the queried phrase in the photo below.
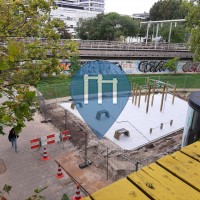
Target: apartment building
(71, 11)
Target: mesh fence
(63, 90)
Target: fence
(61, 90)
(113, 162)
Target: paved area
(88, 177)
(25, 171)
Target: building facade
(93, 5)
(71, 11)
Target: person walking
(13, 138)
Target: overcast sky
(128, 7)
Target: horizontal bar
(163, 21)
(35, 140)
(35, 146)
(50, 136)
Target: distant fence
(63, 90)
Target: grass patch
(54, 87)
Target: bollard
(161, 126)
(137, 165)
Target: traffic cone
(45, 156)
(77, 196)
(59, 173)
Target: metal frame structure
(157, 27)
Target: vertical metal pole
(139, 97)
(85, 147)
(157, 28)
(170, 32)
(45, 112)
(136, 93)
(137, 165)
(107, 165)
(133, 90)
(174, 93)
(65, 120)
(147, 35)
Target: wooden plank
(120, 190)
(158, 183)
(86, 198)
(184, 167)
(193, 150)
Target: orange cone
(77, 196)
(45, 156)
(59, 173)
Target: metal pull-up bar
(157, 28)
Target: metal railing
(112, 45)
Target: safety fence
(50, 139)
(112, 162)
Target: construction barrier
(77, 195)
(59, 173)
(45, 155)
(50, 139)
(38, 145)
(65, 135)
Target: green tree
(172, 64)
(193, 23)
(23, 61)
(168, 9)
(110, 26)
(178, 34)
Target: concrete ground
(25, 171)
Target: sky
(128, 7)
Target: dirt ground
(120, 162)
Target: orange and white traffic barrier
(37, 145)
(45, 155)
(65, 135)
(59, 173)
(50, 139)
(77, 195)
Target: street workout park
(151, 113)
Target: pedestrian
(13, 138)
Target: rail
(111, 45)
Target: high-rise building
(92, 5)
(71, 11)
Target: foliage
(168, 9)
(23, 60)
(109, 26)
(193, 23)
(63, 31)
(172, 64)
(178, 34)
(75, 65)
(6, 189)
(36, 195)
(65, 197)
